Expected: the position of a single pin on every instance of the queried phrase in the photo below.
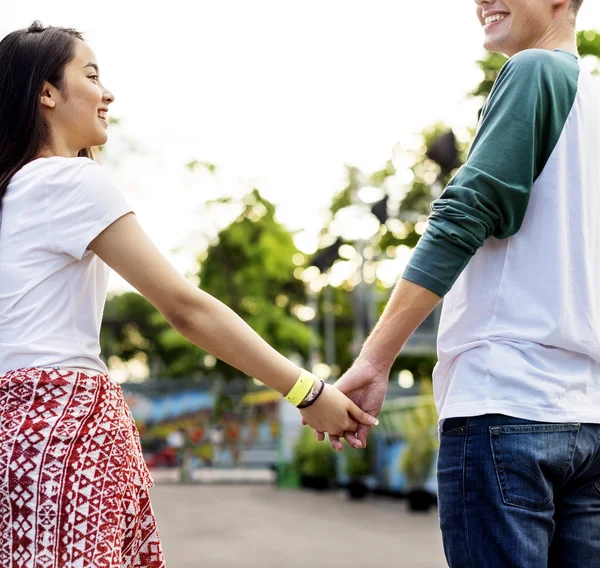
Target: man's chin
(490, 45)
(496, 47)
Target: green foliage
(344, 197)
(223, 404)
(131, 326)
(344, 319)
(313, 458)
(419, 431)
(251, 270)
(427, 176)
(379, 177)
(195, 164)
(588, 43)
(490, 66)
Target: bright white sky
(279, 93)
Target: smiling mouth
(102, 116)
(495, 19)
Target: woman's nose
(109, 97)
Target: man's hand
(365, 384)
(336, 414)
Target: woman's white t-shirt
(52, 289)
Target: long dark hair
(29, 57)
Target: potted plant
(419, 432)
(358, 468)
(314, 461)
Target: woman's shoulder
(52, 166)
(60, 164)
(58, 171)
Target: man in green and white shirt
(524, 212)
(513, 245)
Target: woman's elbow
(184, 307)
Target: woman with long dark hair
(73, 482)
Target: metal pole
(359, 303)
(313, 350)
(329, 326)
(371, 305)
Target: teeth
(494, 18)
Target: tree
(250, 267)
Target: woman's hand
(365, 384)
(334, 413)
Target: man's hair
(575, 5)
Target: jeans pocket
(453, 426)
(529, 459)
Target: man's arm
(408, 306)
(519, 128)
(366, 381)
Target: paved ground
(260, 526)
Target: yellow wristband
(303, 386)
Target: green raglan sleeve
(519, 127)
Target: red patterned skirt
(73, 482)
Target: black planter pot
(356, 490)
(316, 483)
(419, 500)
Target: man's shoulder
(541, 64)
(535, 56)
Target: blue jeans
(517, 493)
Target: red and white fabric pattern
(73, 481)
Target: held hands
(336, 414)
(365, 384)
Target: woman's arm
(207, 322)
(199, 317)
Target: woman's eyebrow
(91, 65)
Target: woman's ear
(47, 98)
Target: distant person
(73, 482)
(513, 244)
(176, 439)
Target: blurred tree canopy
(250, 267)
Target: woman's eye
(94, 77)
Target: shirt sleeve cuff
(436, 263)
(84, 241)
